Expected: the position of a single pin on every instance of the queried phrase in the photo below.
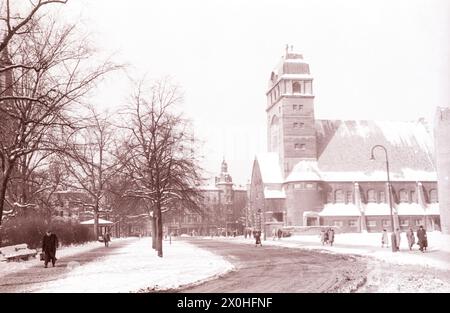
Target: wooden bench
(16, 253)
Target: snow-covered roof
(344, 150)
(377, 209)
(340, 209)
(270, 168)
(304, 171)
(208, 188)
(100, 222)
(274, 194)
(410, 209)
(296, 76)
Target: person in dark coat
(107, 239)
(280, 233)
(49, 245)
(257, 236)
(331, 236)
(422, 238)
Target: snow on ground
(12, 267)
(369, 244)
(136, 266)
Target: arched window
(433, 196)
(371, 196)
(349, 197)
(296, 87)
(382, 196)
(339, 196)
(403, 195)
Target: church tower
(290, 112)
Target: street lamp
(372, 157)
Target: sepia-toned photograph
(240, 149)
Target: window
(404, 222)
(301, 125)
(352, 223)
(382, 196)
(330, 197)
(309, 186)
(386, 223)
(299, 146)
(371, 196)
(294, 107)
(349, 197)
(372, 223)
(403, 194)
(296, 87)
(295, 125)
(339, 194)
(413, 196)
(298, 186)
(433, 196)
(418, 222)
(338, 223)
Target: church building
(335, 172)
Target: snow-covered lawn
(136, 267)
(12, 267)
(369, 244)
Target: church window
(372, 223)
(295, 107)
(300, 146)
(295, 125)
(296, 87)
(339, 194)
(403, 195)
(386, 223)
(301, 125)
(371, 196)
(433, 196)
(352, 223)
(413, 196)
(309, 186)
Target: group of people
(327, 236)
(422, 239)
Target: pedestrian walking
(384, 239)
(331, 236)
(280, 233)
(107, 239)
(422, 238)
(274, 234)
(411, 238)
(323, 237)
(257, 236)
(49, 245)
(397, 238)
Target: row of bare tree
(139, 160)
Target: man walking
(49, 245)
(422, 238)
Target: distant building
(319, 172)
(442, 135)
(223, 209)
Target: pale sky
(370, 60)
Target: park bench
(16, 253)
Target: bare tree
(89, 158)
(35, 103)
(20, 20)
(160, 161)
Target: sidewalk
(368, 244)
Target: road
(31, 279)
(278, 269)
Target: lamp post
(372, 157)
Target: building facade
(442, 135)
(320, 172)
(224, 208)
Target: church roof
(344, 150)
(270, 168)
(304, 171)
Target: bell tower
(290, 111)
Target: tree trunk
(159, 231)
(153, 232)
(96, 221)
(4, 183)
